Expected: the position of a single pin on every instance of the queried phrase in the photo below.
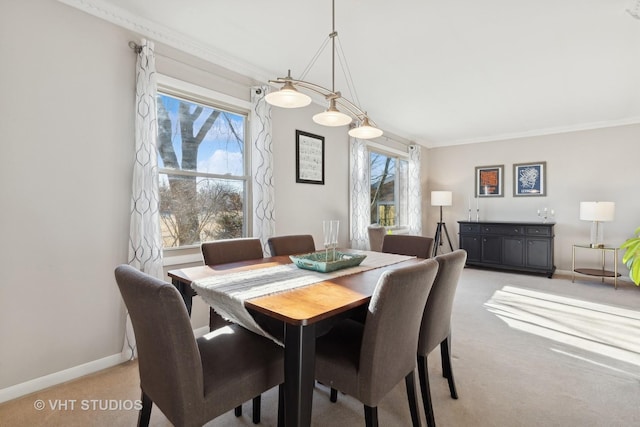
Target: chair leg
(256, 409)
(334, 395)
(443, 359)
(410, 382)
(145, 411)
(371, 416)
(445, 350)
(423, 373)
(238, 411)
(281, 405)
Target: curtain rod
(138, 48)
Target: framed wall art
(489, 181)
(309, 158)
(529, 179)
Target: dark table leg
(299, 373)
(185, 291)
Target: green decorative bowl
(317, 261)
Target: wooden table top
(304, 305)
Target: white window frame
(398, 154)
(191, 92)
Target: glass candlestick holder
(546, 214)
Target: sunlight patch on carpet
(603, 329)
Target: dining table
(306, 312)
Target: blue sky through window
(220, 152)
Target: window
(202, 171)
(389, 191)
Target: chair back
(390, 337)
(291, 245)
(404, 244)
(231, 250)
(168, 356)
(376, 236)
(436, 322)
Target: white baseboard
(73, 373)
(56, 378)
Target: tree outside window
(202, 172)
(388, 189)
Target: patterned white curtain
(262, 166)
(359, 193)
(414, 202)
(145, 240)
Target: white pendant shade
(365, 131)
(288, 97)
(332, 117)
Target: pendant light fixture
(332, 117)
(290, 97)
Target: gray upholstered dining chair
(226, 251)
(291, 245)
(405, 244)
(223, 252)
(368, 360)
(231, 250)
(436, 325)
(376, 236)
(192, 380)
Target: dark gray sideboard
(518, 246)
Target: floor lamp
(441, 198)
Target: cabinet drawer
(469, 228)
(538, 231)
(505, 230)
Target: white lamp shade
(441, 198)
(365, 131)
(288, 97)
(332, 118)
(597, 211)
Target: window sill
(179, 256)
(397, 230)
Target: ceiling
(437, 72)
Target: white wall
(600, 164)
(66, 146)
(301, 208)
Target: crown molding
(166, 35)
(539, 132)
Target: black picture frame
(489, 181)
(530, 179)
(309, 158)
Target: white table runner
(226, 293)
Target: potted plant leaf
(631, 256)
